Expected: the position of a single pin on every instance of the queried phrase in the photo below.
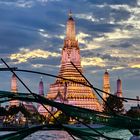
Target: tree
(61, 118)
(13, 110)
(3, 111)
(113, 104)
(39, 118)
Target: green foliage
(13, 110)
(113, 104)
(3, 111)
(62, 118)
(39, 118)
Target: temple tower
(41, 88)
(119, 88)
(41, 91)
(14, 89)
(40, 108)
(106, 84)
(73, 93)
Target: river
(62, 135)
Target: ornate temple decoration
(70, 92)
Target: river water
(62, 135)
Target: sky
(32, 34)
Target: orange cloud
(26, 54)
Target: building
(72, 93)
(14, 89)
(106, 84)
(41, 88)
(40, 108)
(119, 88)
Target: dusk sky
(108, 31)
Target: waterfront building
(119, 88)
(14, 89)
(70, 92)
(106, 84)
(30, 107)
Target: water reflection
(62, 135)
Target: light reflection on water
(49, 135)
(123, 134)
(62, 135)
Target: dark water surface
(62, 135)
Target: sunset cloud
(95, 61)
(32, 35)
(81, 37)
(117, 68)
(88, 16)
(25, 54)
(135, 66)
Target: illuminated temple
(14, 89)
(67, 91)
(106, 84)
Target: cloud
(123, 53)
(116, 2)
(117, 68)
(26, 54)
(37, 65)
(24, 4)
(88, 17)
(114, 35)
(18, 3)
(108, 34)
(99, 42)
(43, 33)
(90, 45)
(45, 1)
(95, 61)
(81, 37)
(44, 65)
(117, 34)
(135, 66)
(134, 19)
(122, 45)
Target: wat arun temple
(66, 91)
(69, 89)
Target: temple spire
(72, 93)
(14, 89)
(70, 14)
(106, 84)
(70, 29)
(41, 87)
(14, 84)
(119, 88)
